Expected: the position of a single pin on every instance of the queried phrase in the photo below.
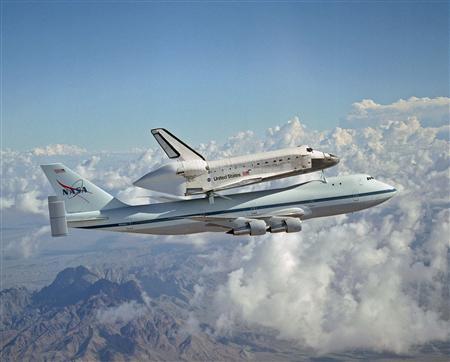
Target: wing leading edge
(288, 220)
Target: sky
(100, 75)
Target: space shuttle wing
(252, 180)
(245, 182)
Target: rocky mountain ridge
(84, 316)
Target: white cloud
(27, 245)
(87, 167)
(6, 202)
(356, 290)
(58, 149)
(122, 313)
(343, 137)
(430, 111)
(30, 202)
(289, 134)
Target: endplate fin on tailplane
(174, 147)
(78, 194)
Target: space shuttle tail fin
(174, 147)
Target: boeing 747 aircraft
(80, 204)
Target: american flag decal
(59, 170)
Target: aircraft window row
(340, 183)
(370, 178)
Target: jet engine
(192, 168)
(286, 224)
(249, 227)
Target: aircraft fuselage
(339, 195)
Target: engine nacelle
(193, 168)
(250, 227)
(286, 224)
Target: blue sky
(100, 75)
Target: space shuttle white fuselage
(191, 174)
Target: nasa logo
(76, 189)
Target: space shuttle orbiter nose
(321, 160)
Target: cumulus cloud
(430, 111)
(289, 134)
(87, 167)
(355, 291)
(122, 313)
(27, 245)
(31, 202)
(343, 137)
(58, 149)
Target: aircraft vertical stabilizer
(78, 194)
(174, 147)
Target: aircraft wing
(228, 222)
(290, 212)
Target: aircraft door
(356, 189)
(355, 194)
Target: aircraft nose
(390, 190)
(393, 191)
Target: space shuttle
(191, 174)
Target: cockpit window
(309, 149)
(370, 178)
